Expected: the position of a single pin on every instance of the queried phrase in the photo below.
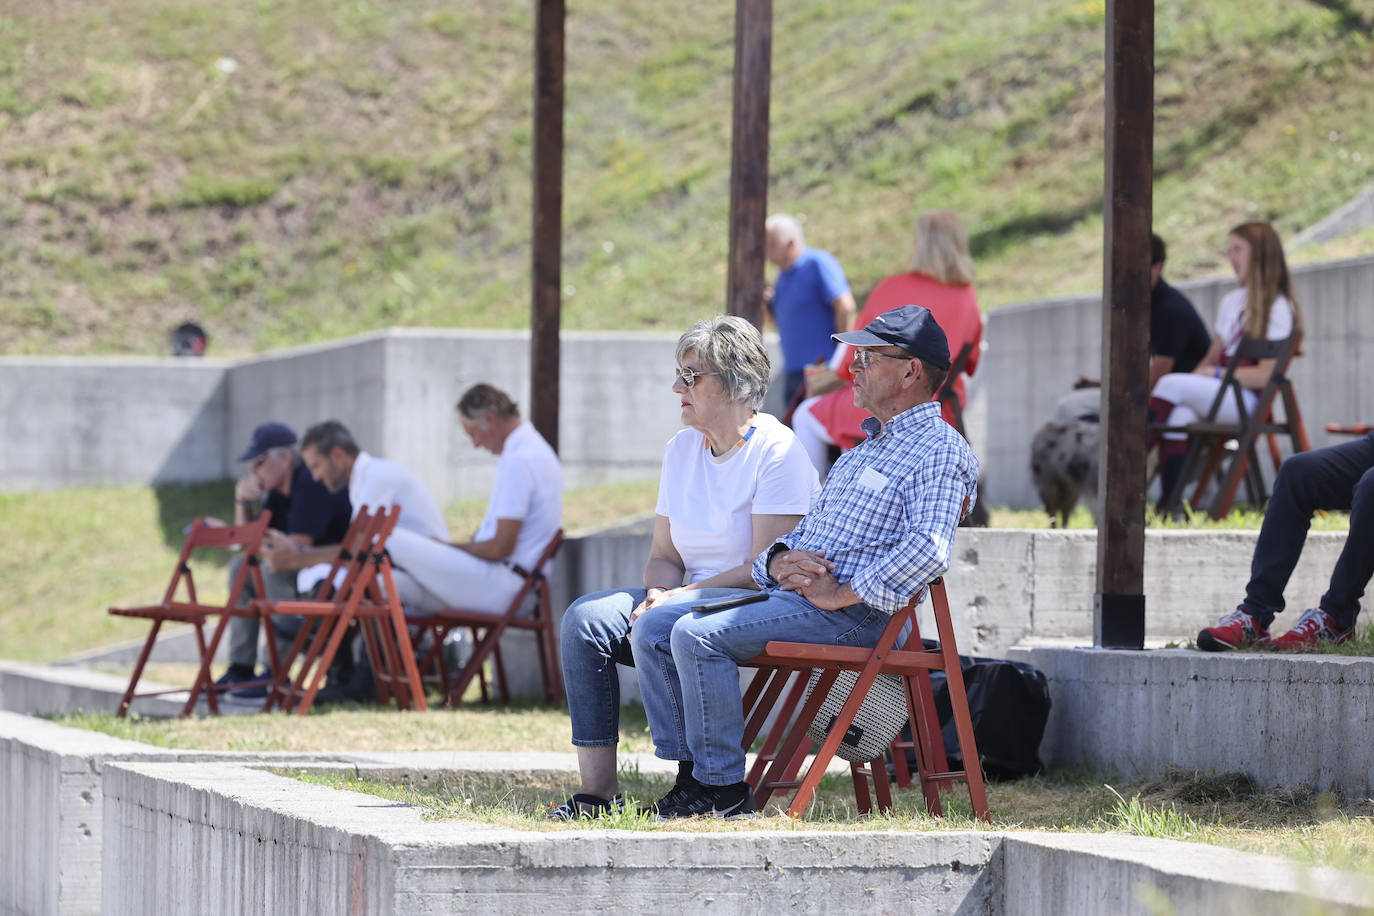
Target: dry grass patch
(519, 727)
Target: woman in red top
(941, 279)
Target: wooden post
(546, 275)
(749, 158)
(1119, 613)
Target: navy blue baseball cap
(266, 437)
(910, 327)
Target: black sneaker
(711, 801)
(582, 806)
(254, 691)
(237, 674)
(681, 790)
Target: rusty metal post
(749, 158)
(546, 275)
(1119, 612)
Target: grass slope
(287, 172)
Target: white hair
(784, 227)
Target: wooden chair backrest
(1256, 349)
(248, 536)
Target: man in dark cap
(302, 510)
(881, 529)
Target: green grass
(73, 553)
(1241, 518)
(290, 172)
(1216, 809)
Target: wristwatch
(776, 549)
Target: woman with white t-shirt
(733, 482)
(1263, 307)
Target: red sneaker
(1234, 631)
(1313, 628)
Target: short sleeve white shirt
(528, 487)
(710, 502)
(377, 482)
(1231, 319)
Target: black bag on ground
(1009, 703)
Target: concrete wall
(50, 815)
(1037, 350)
(72, 422)
(85, 422)
(1267, 715)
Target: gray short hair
(732, 348)
(785, 227)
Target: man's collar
(908, 419)
(359, 463)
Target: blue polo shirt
(801, 307)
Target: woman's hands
(656, 595)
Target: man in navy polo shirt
(810, 300)
(302, 509)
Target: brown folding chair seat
(787, 744)
(488, 628)
(195, 612)
(366, 597)
(1210, 441)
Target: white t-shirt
(528, 487)
(377, 482)
(709, 502)
(1231, 319)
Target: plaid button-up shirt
(889, 509)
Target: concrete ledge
(262, 843)
(227, 838)
(1095, 873)
(1279, 718)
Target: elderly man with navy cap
(302, 510)
(881, 529)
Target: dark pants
(1340, 477)
(791, 384)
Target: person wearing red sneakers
(1340, 477)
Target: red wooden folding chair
(367, 596)
(787, 744)
(488, 628)
(192, 610)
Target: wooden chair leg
(862, 799)
(878, 770)
(128, 698)
(963, 724)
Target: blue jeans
(1339, 477)
(689, 670)
(595, 636)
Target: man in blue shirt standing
(809, 302)
(882, 528)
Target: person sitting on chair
(882, 528)
(733, 482)
(303, 512)
(1337, 478)
(1264, 308)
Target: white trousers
(432, 576)
(813, 435)
(1192, 397)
